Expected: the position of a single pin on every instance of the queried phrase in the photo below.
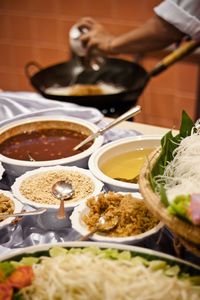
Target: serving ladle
(102, 226)
(63, 191)
(30, 157)
(130, 113)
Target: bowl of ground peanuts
(34, 187)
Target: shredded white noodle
(182, 175)
(87, 276)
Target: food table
(144, 128)
(34, 230)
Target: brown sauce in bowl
(43, 144)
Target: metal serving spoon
(130, 113)
(62, 190)
(102, 225)
(30, 157)
(25, 213)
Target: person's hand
(95, 37)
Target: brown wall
(38, 30)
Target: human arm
(155, 34)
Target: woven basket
(188, 232)
(194, 248)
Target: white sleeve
(183, 14)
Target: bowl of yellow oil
(117, 164)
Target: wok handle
(173, 57)
(30, 65)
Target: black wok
(125, 74)
(128, 75)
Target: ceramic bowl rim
(78, 244)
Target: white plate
(137, 252)
(98, 185)
(17, 207)
(81, 227)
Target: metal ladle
(30, 156)
(102, 226)
(62, 190)
(130, 113)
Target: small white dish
(17, 207)
(69, 204)
(79, 225)
(105, 153)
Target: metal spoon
(62, 190)
(30, 157)
(24, 213)
(130, 113)
(102, 225)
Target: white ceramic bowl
(108, 151)
(16, 167)
(81, 227)
(69, 204)
(17, 207)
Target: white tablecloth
(18, 105)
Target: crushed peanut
(38, 187)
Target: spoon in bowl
(130, 113)
(24, 213)
(30, 156)
(102, 226)
(62, 190)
